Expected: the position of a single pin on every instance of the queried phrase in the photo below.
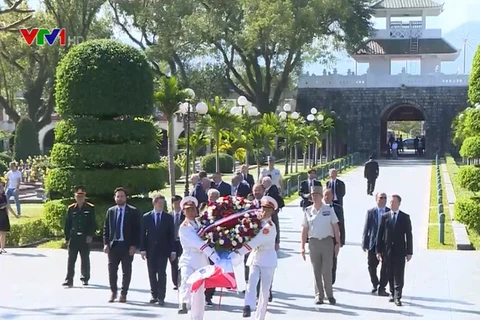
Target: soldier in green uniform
(80, 228)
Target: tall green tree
(167, 98)
(20, 12)
(208, 80)
(26, 140)
(262, 138)
(198, 141)
(263, 40)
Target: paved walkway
(439, 285)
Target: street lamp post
(285, 115)
(187, 109)
(312, 117)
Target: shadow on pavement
(380, 310)
(30, 255)
(51, 312)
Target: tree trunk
(291, 160)
(258, 169)
(246, 159)
(296, 158)
(217, 153)
(305, 159)
(171, 163)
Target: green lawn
(433, 227)
(453, 168)
(29, 211)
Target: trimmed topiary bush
(467, 211)
(471, 148)
(469, 178)
(474, 80)
(226, 163)
(26, 140)
(163, 166)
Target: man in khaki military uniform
(320, 227)
(80, 227)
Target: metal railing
(441, 214)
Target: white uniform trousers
(265, 275)
(196, 300)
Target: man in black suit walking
(395, 246)
(369, 244)
(178, 218)
(306, 186)
(223, 187)
(338, 187)
(157, 246)
(121, 238)
(247, 176)
(240, 188)
(200, 191)
(371, 172)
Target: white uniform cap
(187, 200)
(268, 201)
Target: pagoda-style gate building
(365, 103)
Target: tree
(16, 7)
(215, 122)
(198, 141)
(262, 40)
(261, 139)
(208, 81)
(26, 140)
(167, 99)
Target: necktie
(118, 226)
(394, 218)
(333, 187)
(176, 219)
(157, 220)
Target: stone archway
(48, 141)
(403, 111)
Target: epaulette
(90, 204)
(72, 205)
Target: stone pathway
(440, 285)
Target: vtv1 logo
(41, 35)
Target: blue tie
(118, 227)
(157, 220)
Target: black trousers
(371, 185)
(119, 254)
(396, 273)
(76, 245)
(211, 291)
(373, 263)
(174, 264)
(334, 268)
(157, 274)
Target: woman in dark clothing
(4, 220)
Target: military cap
(189, 202)
(316, 190)
(80, 190)
(269, 202)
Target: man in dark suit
(305, 187)
(200, 191)
(247, 176)
(224, 188)
(395, 246)
(272, 191)
(240, 188)
(178, 218)
(371, 172)
(369, 244)
(328, 200)
(338, 187)
(157, 246)
(121, 238)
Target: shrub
(26, 140)
(3, 167)
(163, 166)
(471, 148)
(28, 232)
(471, 122)
(469, 178)
(104, 78)
(467, 211)
(226, 163)
(6, 157)
(474, 80)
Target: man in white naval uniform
(262, 261)
(195, 256)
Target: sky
(456, 13)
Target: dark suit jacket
(371, 170)
(395, 238)
(304, 192)
(224, 188)
(249, 179)
(157, 241)
(179, 223)
(370, 229)
(277, 225)
(341, 221)
(243, 189)
(131, 226)
(340, 189)
(199, 194)
(275, 194)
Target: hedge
(474, 80)
(98, 182)
(101, 78)
(471, 148)
(28, 232)
(164, 167)
(468, 177)
(208, 163)
(55, 211)
(103, 155)
(26, 140)
(88, 130)
(467, 211)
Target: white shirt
(394, 146)
(320, 222)
(14, 178)
(262, 247)
(380, 212)
(276, 176)
(333, 184)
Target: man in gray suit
(369, 244)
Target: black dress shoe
(175, 288)
(270, 297)
(247, 313)
(153, 300)
(85, 282)
(374, 290)
(183, 309)
(383, 293)
(67, 284)
(391, 299)
(318, 300)
(161, 302)
(332, 301)
(209, 302)
(398, 303)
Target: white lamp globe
(287, 107)
(242, 101)
(313, 111)
(461, 116)
(251, 110)
(249, 104)
(190, 93)
(310, 117)
(320, 117)
(282, 115)
(477, 106)
(236, 111)
(254, 111)
(201, 108)
(295, 115)
(183, 108)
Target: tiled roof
(406, 4)
(402, 46)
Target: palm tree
(309, 137)
(198, 140)
(235, 141)
(261, 138)
(215, 122)
(167, 99)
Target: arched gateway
(365, 103)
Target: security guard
(79, 230)
(262, 261)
